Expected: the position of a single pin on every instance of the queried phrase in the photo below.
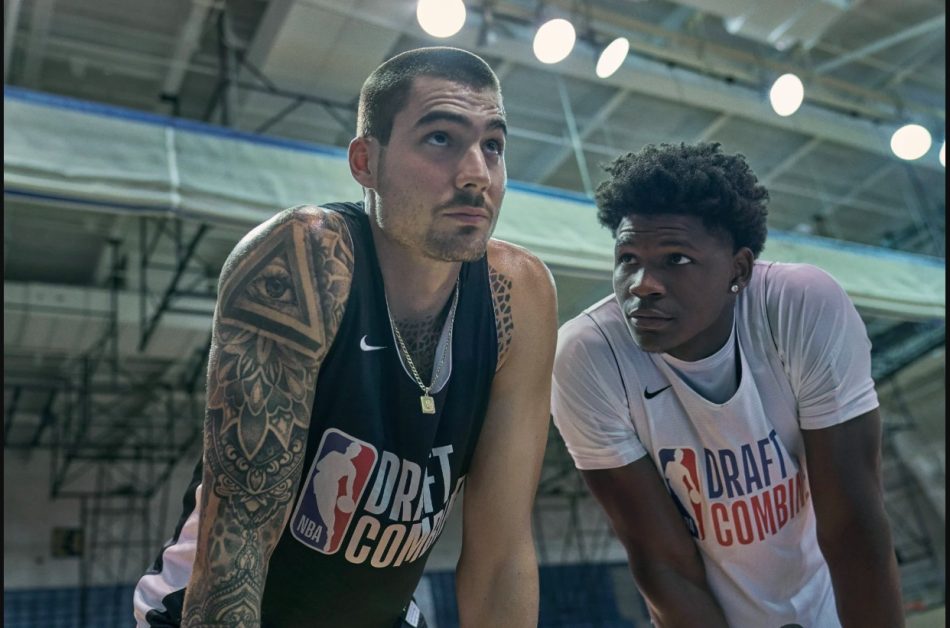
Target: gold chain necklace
(426, 400)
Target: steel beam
(11, 18)
(36, 44)
(183, 261)
(47, 418)
(549, 162)
(882, 44)
(797, 155)
(576, 143)
(712, 128)
(189, 38)
(11, 412)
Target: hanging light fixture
(612, 57)
(441, 18)
(910, 142)
(554, 40)
(787, 94)
(941, 156)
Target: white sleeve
(588, 401)
(824, 344)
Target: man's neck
(417, 287)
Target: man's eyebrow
(499, 123)
(623, 240)
(664, 241)
(457, 118)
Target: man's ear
(363, 155)
(742, 262)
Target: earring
(734, 288)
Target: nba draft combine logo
(403, 512)
(736, 495)
(335, 484)
(682, 479)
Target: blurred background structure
(143, 139)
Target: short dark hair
(692, 179)
(386, 91)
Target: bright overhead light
(441, 18)
(911, 141)
(942, 156)
(612, 57)
(554, 41)
(787, 94)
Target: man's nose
(645, 284)
(473, 173)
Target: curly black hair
(692, 179)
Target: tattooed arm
(497, 576)
(281, 298)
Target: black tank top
(379, 475)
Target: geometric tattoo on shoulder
(501, 297)
(274, 294)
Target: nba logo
(334, 486)
(682, 480)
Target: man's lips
(645, 313)
(468, 214)
(648, 319)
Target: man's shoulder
(524, 299)
(599, 326)
(509, 258)
(603, 317)
(308, 219)
(299, 250)
(521, 270)
(796, 282)
(330, 217)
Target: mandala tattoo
(501, 295)
(281, 299)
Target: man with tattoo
(392, 345)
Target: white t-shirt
(736, 470)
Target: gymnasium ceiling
(697, 70)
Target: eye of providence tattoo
(501, 297)
(277, 305)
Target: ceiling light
(612, 57)
(911, 141)
(786, 94)
(554, 41)
(441, 18)
(942, 156)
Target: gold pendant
(428, 404)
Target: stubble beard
(459, 247)
(461, 244)
(464, 243)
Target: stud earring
(734, 288)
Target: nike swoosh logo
(651, 395)
(368, 347)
